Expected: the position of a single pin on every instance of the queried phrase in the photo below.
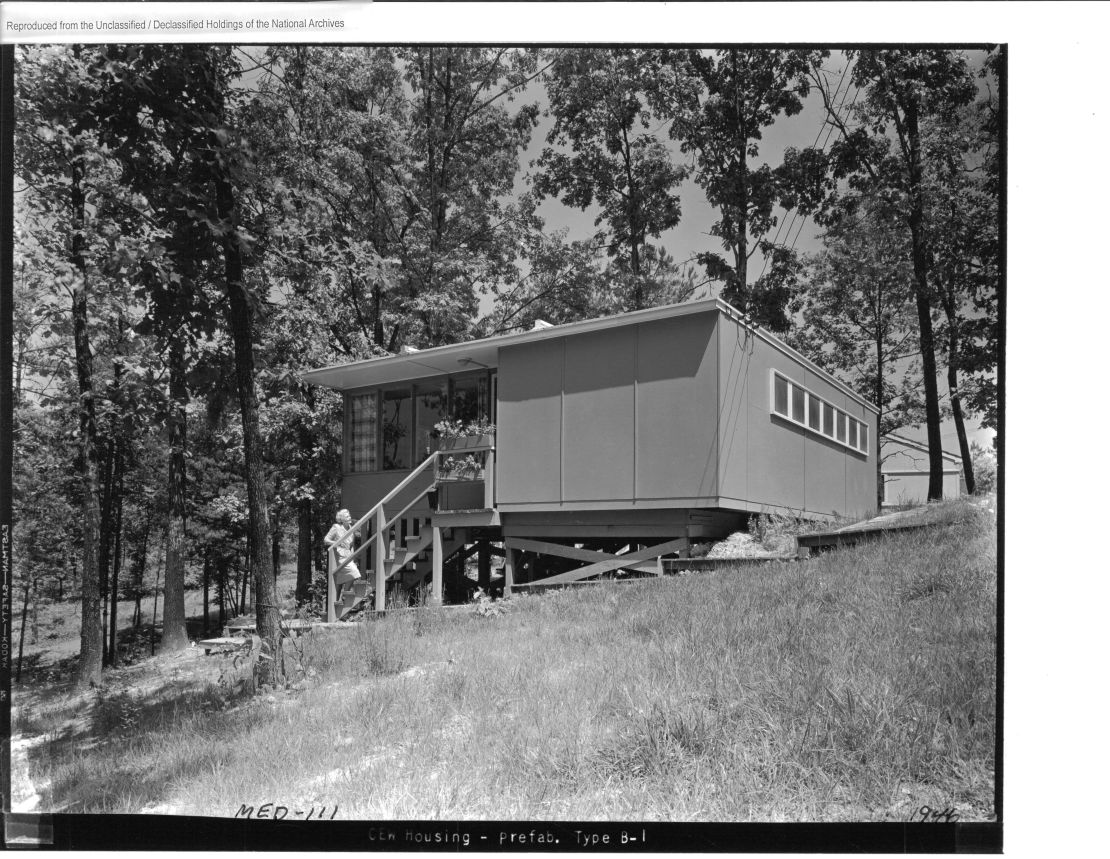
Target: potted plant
(454, 434)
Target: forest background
(195, 225)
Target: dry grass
(856, 685)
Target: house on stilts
(618, 441)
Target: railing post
(332, 566)
(379, 560)
(437, 565)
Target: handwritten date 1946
(928, 814)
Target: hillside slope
(858, 685)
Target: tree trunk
(154, 612)
(270, 667)
(275, 549)
(175, 636)
(140, 569)
(304, 549)
(879, 379)
(206, 574)
(954, 391)
(90, 659)
(22, 628)
(117, 533)
(740, 148)
(304, 505)
(923, 300)
(104, 555)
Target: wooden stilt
(484, 565)
(510, 559)
(437, 566)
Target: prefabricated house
(618, 441)
(905, 468)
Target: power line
(838, 131)
(826, 125)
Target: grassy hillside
(856, 685)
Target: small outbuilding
(905, 468)
(577, 450)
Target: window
(781, 396)
(431, 408)
(391, 429)
(470, 398)
(798, 405)
(397, 428)
(814, 413)
(362, 441)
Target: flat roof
(483, 353)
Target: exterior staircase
(398, 548)
(409, 565)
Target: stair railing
(379, 530)
(381, 527)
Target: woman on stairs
(348, 571)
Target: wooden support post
(379, 560)
(488, 483)
(332, 566)
(483, 565)
(510, 558)
(437, 565)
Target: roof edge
(776, 343)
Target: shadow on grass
(129, 748)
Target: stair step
(361, 587)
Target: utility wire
(838, 131)
(822, 130)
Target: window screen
(363, 432)
(814, 413)
(397, 428)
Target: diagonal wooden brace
(611, 562)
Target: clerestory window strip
(799, 405)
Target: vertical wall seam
(635, 404)
(562, 420)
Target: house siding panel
(775, 448)
(676, 400)
(529, 408)
(599, 416)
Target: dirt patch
(741, 544)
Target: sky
(691, 235)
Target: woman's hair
(343, 513)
